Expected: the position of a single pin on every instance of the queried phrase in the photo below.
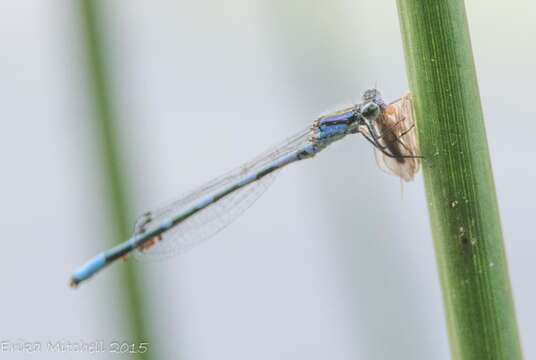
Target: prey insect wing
(396, 134)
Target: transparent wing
(207, 222)
(396, 129)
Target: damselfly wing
(204, 224)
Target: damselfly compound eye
(370, 110)
(371, 95)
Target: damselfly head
(373, 95)
(370, 110)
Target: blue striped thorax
(335, 126)
(328, 131)
(344, 117)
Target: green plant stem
(114, 182)
(459, 183)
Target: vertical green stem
(105, 125)
(459, 182)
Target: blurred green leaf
(105, 125)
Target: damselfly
(200, 214)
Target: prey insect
(200, 214)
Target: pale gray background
(334, 262)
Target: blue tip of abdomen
(88, 269)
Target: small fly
(393, 135)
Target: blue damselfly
(198, 215)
